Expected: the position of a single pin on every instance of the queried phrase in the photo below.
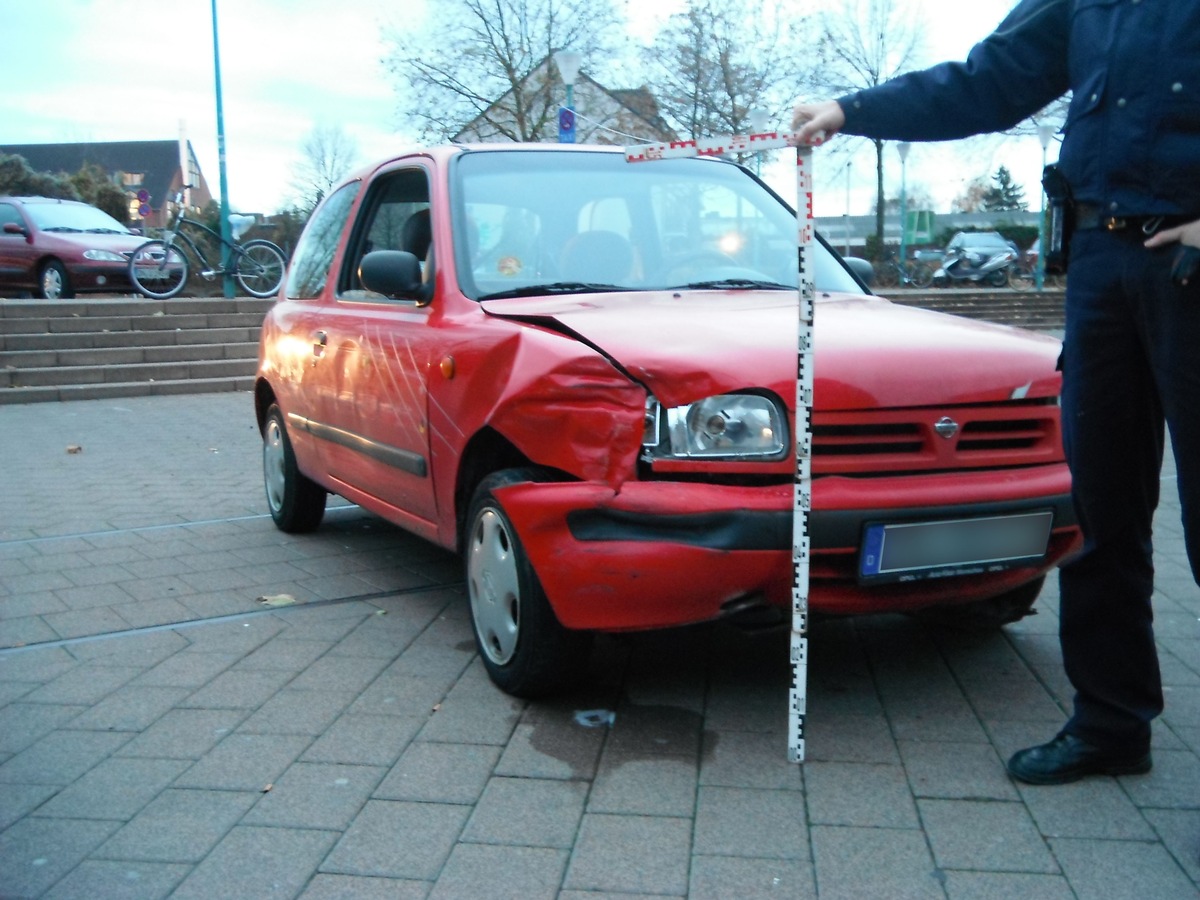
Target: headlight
(103, 256)
(725, 426)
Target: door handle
(319, 339)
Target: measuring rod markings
(802, 491)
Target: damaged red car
(580, 374)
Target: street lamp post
(1045, 133)
(902, 148)
(568, 62)
(226, 233)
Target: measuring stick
(802, 491)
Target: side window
(9, 214)
(395, 216)
(314, 254)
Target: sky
(106, 70)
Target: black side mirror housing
(393, 273)
(862, 268)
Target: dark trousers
(1131, 361)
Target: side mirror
(14, 228)
(393, 273)
(861, 268)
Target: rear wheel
(259, 268)
(158, 270)
(525, 649)
(53, 281)
(922, 275)
(987, 615)
(999, 278)
(297, 503)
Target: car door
(377, 357)
(16, 251)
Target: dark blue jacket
(1131, 141)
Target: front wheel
(158, 270)
(525, 649)
(999, 278)
(53, 282)
(297, 503)
(259, 268)
(922, 275)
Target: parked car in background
(58, 248)
(581, 374)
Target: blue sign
(566, 125)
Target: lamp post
(758, 124)
(1045, 133)
(226, 233)
(568, 62)
(902, 148)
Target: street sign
(566, 125)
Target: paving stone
(116, 788)
(753, 759)
(339, 673)
(178, 826)
(364, 740)
(354, 887)
(238, 689)
(527, 812)
(244, 762)
(631, 854)
(1179, 830)
(35, 853)
(638, 786)
(551, 748)
(119, 881)
(17, 800)
(85, 683)
(131, 708)
(863, 739)
(259, 861)
(981, 835)
(962, 771)
(23, 723)
(298, 712)
(1091, 808)
(440, 773)
(853, 863)
(1006, 886)
(858, 794)
(192, 670)
(720, 877)
(747, 822)
(475, 870)
(397, 694)
(184, 733)
(398, 840)
(1115, 870)
(1173, 783)
(60, 757)
(471, 721)
(316, 795)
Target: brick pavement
(164, 733)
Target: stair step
(160, 371)
(50, 393)
(122, 356)
(100, 339)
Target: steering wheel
(699, 260)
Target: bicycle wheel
(921, 275)
(1022, 279)
(259, 268)
(158, 270)
(886, 276)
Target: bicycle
(910, 273)
(159, 268)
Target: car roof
(43, 200)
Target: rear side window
(309, 270)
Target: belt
(1089, 215)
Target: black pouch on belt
(1185, 267)
(1060, 219)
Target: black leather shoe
(1068, 758)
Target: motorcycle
(987, 267)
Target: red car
(58, 248)
(580, 374)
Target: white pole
(806, 294)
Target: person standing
(1131, 159)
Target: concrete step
(75, 340)
(124, 374)
(107, 391)
(123, 356)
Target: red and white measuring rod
(802, 492)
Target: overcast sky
(104, 70)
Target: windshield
(567, 221)
(73, 217)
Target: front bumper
(663, 554)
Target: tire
(886, 276)
(259, 268)
(922, 275)
(998, 278)
(525, 649)
(53, 281)
(1022, 280)
(158, 270)
(296, 502)
(986, 615)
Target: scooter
(991, 269)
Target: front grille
(882, 442)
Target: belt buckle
(1113, 223)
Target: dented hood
(870, 353)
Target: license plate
(907, 551)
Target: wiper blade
(105, 231)
(554, 287)
(735, 283)
(63, 228)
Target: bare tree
(865, 43)
(327, 155)
(718, 62)
(485, 60)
